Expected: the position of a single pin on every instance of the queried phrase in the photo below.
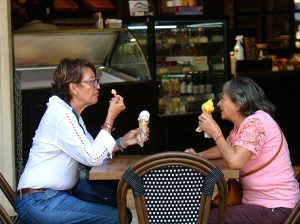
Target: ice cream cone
(208, 108)
(143, 119)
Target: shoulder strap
(267, 163)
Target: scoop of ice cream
(144, 116)
(208, 106)
(114, 92)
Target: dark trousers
(251, 214)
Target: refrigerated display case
(120, 64)
(188, 55)
(297, 23)
(115, 52)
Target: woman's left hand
(130, 138)
(190, 151)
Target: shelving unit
(274, 22)
(191, 60)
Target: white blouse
(60, 143)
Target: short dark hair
(69, 71)
(248, 96)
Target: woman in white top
(61, 143)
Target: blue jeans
(60, 207)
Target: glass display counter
(191, 60)
(188, 56)
(115, 52)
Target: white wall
(7, 160)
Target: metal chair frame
(10, 195)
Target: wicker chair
(294, 217)
(10, 195)
(172, 187)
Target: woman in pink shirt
(270, 194)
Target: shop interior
(177, 44)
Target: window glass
(297, 29)
(248, 5)
(250, 26)
(297, 4)
(276, 5)
(277, 30)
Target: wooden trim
(7, 148)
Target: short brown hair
(69, 71)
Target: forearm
(221, 163)
(228, 153)
(120, 145)
(211, 153)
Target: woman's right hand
(116, 106)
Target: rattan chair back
(172, 187)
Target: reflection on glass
(250, 26)
(248, 5)
(277, 30)
(297, 4)
(276, 5)
(128, 57)
(139, 31)
(297, 29)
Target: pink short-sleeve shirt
(274, 185)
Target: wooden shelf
(103, 5)
(65, 5)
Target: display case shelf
(191, 61)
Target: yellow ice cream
(208, 106)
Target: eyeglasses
(94, 82)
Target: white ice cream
(144, 116)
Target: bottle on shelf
(195, 83)
(189, 86)
(298, 37)
(208, 85)
(232, 63)
(99, 21)
(183, 86)
(202, 84)
(238, 48)
(262, 51)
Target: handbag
(97, 191)
(235, 193)
(235, 189)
